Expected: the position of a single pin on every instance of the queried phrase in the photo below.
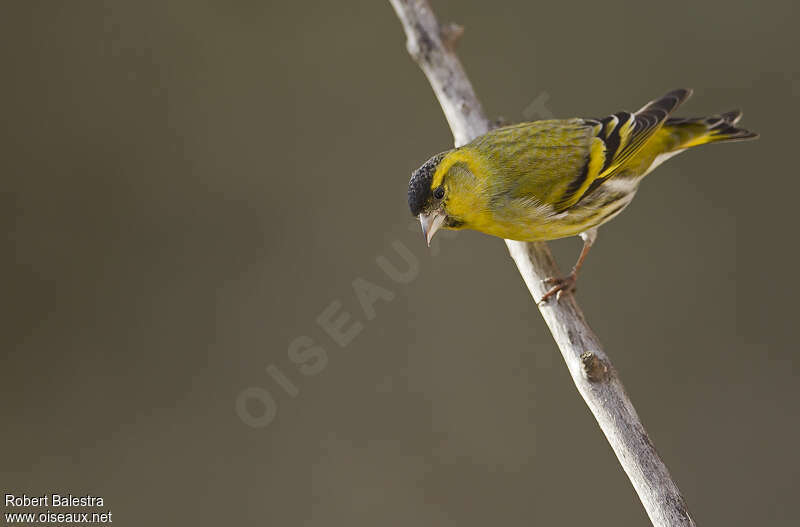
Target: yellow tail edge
(714, 129)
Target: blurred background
(189, 186)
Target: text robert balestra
(53, 500)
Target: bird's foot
(561, 285)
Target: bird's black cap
(419, 188)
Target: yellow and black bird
(551, 179)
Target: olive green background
(188, 185)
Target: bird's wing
(616, 139)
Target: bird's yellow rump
(550, 179)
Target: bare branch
(432, 46)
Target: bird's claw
(561, 285)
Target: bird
(555, 178)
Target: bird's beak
(430, 224)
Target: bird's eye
(438, 193)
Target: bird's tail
(702, 130)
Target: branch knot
(450, 34)
(595, 368)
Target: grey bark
(432, 47)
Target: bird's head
(443, 193)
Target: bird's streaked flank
(551, 179)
